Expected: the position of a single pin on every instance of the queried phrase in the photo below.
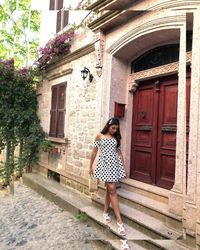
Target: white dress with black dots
(109, 165)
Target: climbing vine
(20, 130)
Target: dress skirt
(109, 165)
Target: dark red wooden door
(143, 134)
(154, 128)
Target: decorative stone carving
(157, 71)
(157, 85)
(99, 45)
(134, 87)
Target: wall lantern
(85, 72)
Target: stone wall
(82, 109)
(82, 117)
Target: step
(158, 244)
(150, 191)
(155, 233)
(168, 245)
(134, 216)
(148, 205)
(135, 238)
(132, 244)
(174, 240)
(75, 202)
(95, 213)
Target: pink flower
(55, 46)
(23, 71)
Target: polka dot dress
(109, 165)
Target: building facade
(145, 60)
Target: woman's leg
(111, 187)
(107, 201)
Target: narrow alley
(29, 221)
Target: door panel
(166, 147)
(168, 100)
(168, 163)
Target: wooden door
(154, 128)
(145, 116)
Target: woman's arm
(122, 159)
(92, 158)
(121, 156)
(93, 155)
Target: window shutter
(61, 110)
(57, 120)
(58, 24)
(53, 121)
(59, 4)
(52, 5)
(60, 128)
(65, 18)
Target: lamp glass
(84, 73)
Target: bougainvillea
(55, 47)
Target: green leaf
(14, 30)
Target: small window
(56, 4)
(156, 57)
(57, 110)
(53, 175)
(52, 5)
(62, 15)
(160, 56)
(59, 5)
(62, 20)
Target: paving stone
(28, 221)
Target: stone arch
(180, 4)
(163, 31)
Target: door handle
(168, 129)
(145, 128)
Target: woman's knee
(111, 188)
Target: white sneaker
(121, 229)
(124, 245)
(106, 217)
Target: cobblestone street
(29, 221)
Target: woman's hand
(90, 171)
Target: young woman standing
(110, 167)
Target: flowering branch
(55, 47)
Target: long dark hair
(117, 134)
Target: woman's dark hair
(110, 122)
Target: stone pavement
(29, 221)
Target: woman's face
(113, 129)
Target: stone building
(145, 60)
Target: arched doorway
(154, 120)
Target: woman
(110, 167)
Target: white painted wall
(48, 18)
